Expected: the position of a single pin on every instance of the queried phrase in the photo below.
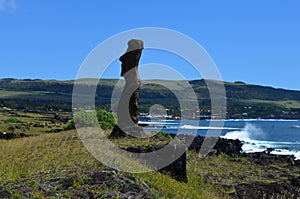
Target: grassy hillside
(43, 166)
(60, 155)
(57, 165)
(243, 100)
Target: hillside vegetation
(57, 165)
(244, 100)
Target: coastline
(257, 134)
(271, 175)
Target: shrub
(12, 120)
(70, 125)
(163, 135)
(104, 119)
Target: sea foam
(206, 127)
(249, 134)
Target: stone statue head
(131, 57)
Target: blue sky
(254, 41)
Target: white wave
(252, 148)
(287, 152)
(283, 120)
(156, 123)
(256, 120)
(167, 120)
(244, 120)
(296, 126)
(241, 135)
(252, 145)
(206, 128)
(244, 134)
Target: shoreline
(256, 136)
(234, 148)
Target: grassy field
(55, 155)
(284, 103)
(31, 123)
(4, 93)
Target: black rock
(295, 182)
(67, 182)
(117, 133)
(265, 190)
(229, 147)
(80, 193)
(177, 168)
(25, 192)
(5, 194)
(133, 131)
(99, 178)
(9, 135)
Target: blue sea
(257, 134)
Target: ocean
(257, 134)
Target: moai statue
(128, 105)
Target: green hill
(244, 100)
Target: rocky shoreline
(233, 148)
(289, 187)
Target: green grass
(49, 152)
(52, 154)
(289, 103)
(211, 177)
(5, 93)
(29, 123)
(15, 93)
(283, 103)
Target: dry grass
(211, 177)
(54, 153)
(47, 153)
